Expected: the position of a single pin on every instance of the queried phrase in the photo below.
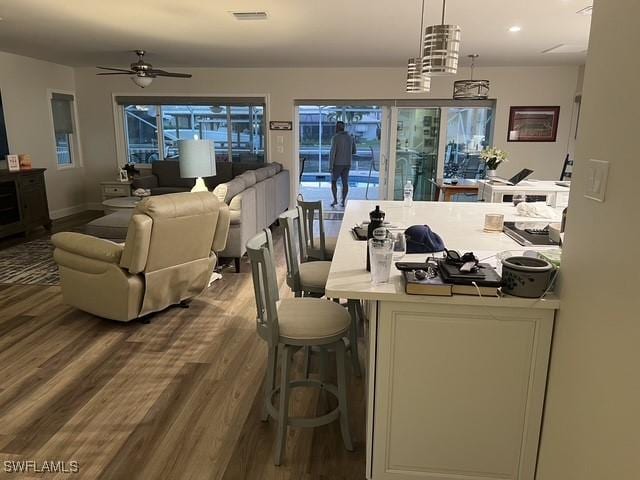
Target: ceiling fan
(142, 72)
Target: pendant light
(441, 48)
(417, 81)
(471, 89)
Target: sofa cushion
(226, 191)
(241, 167)
(168, 173)
(278, 166)
(224, 172)
(249, 177)
(261, 173)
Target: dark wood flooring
(178, 398)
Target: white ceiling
(202, 33)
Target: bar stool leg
(283, 410)
(342, 396)
(307, 361)
(353, 336)
(269, 380)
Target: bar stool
(310, 278)
(288, 325)
(322, 247)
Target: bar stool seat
(314, 275)
(311, 320)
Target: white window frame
(119, 123)
(75, 148)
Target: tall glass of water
(399, 246)
(381, 256)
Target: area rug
(29, 263)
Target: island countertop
(461, 227)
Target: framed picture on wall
(533, 124)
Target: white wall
(510, 86)
(592, 423)
(24, 83)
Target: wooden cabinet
(23, 201)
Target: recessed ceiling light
(515, 29)
(250, 15)
(586, 10)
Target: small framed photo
(13, 163)
(124, 176)
(533, 124)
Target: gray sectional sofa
(255, 199)
(165, 176)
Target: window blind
(61, 109)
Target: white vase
(491, 173)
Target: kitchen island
(455, 385)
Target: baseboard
(65, 212)
(94, 206)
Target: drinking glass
(381, 256)
(399, 246)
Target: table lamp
(197, 160)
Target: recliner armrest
(145, 181)
(88, 246)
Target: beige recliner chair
(168, 257)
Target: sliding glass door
(438, 139)
(416, 152)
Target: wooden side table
(115, 188)
(448, 189)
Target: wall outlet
(596, 182)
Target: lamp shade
(417, 82)
(197, 158)
(441, 50)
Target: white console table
(496, 192)
(455, 385)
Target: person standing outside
(343, 147)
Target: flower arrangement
(493, 157)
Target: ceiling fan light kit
(471, 89)
(141, 72)
(441, 48)
(142, 80)
(417, 82)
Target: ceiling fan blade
(164, 73)
(116, 73)
(116, 69)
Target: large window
(152, 131)
(62, 112)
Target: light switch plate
(596, 181)
(280, 140)
(280, 149)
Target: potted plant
(493, 157)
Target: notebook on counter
(427, 286)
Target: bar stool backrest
(265, 285)
(312, 246)
(291, 223)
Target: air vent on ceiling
(586, 10)
(250, 15)
(566, 48)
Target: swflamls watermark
(46, 466)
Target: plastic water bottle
(408, 194)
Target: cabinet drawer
(115, 190)
(31, 180)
